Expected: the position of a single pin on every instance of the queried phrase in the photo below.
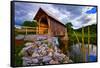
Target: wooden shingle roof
(50, 15)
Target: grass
(18, 48)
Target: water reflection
(76, 53)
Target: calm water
(76, 53)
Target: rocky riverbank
(42, 50)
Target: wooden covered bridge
(47, 21)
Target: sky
(79, 16)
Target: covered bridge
(49, 24)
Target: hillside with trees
(78, 32)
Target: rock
(26, 48)
(56, 54)
(65, 62)
(28, 44)
(35, 60)
(62, 55)
(38, 42)
(46, 59)
(53, 62)
(67, 59)
(70, 61)
(43, 48)
(50, 50)
(43, 53)
(50, 54)
(35, 54)
(27, 61)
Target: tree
(68, 24)
(30, 23)
(69, 27)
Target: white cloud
(84, 19)
(92, 21)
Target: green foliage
(93, 29)
(30, 23)
(18, 60)
(72, 38)
(93, 33)
(69, 27)
(70, 33)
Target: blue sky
(78, 15)
(92, 11)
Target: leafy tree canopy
(69, 27)
(30, 23)
(68, 24)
